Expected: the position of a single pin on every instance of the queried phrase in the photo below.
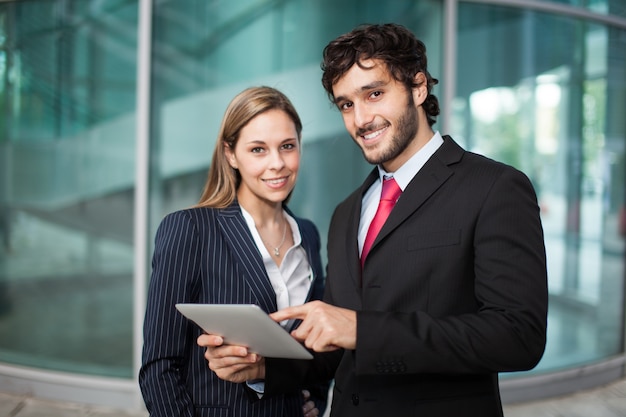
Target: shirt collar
(410, 168)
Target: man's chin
(372, 156)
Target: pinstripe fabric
(205, 255)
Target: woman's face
(267, 156)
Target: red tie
(390, 194)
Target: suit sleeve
(167, 334)
(506, 331)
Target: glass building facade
(109, 112)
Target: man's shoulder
(474, 166)
(486, 163)
(452, 149)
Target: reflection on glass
(550, 122)
(67, 95)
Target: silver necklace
(277, 248)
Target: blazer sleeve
(167, 334)
(504, 329)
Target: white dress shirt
(292, 279)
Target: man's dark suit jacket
(453, 291)
(205, 255)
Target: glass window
(611, 7)
(67, 93)
(544, 98)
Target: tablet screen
(246, 325)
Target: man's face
(379, 113)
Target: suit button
(355, 399)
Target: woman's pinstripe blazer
(205, 255)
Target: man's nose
(362, 116)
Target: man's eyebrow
(337, 100)
(371, 86)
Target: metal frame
(142, 179)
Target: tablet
(246, 325)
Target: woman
(239, 245)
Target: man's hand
(231, 363)
(324, 327)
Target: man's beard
(406, 131)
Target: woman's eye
(256, 150)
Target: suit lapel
(238, 237)
(352, 236)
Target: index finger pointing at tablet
(295, 312)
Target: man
(451, 291)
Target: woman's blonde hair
(223, 180)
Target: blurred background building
(108, 115)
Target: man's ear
(420, 92)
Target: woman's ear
(230, 156)
(421, 91)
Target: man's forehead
(361, 77)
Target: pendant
(276, 252)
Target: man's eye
(345, 106)
(376, 94)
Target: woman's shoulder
(191, 212)
(197, 215)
